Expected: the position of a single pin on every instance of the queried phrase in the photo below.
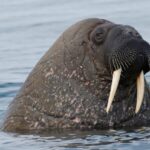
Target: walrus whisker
(110, 65)
(118, 62)
(115, 65)
(114, 85)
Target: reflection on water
(27, 29)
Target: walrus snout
(131, 61)
(131, 56)
(124, 53)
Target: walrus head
(125, 55)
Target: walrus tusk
(114, 85)
(140, 91)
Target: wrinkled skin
(70, 85)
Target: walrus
(91, 78)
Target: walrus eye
(98, 36)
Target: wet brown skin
(69, 89)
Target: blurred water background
(27, 29)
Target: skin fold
(70, 85)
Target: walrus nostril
(130, 33)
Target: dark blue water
(27, 29)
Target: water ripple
(9, 84)
(79, 140)
(9, 89)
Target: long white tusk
(140, 91)
(114, 85)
